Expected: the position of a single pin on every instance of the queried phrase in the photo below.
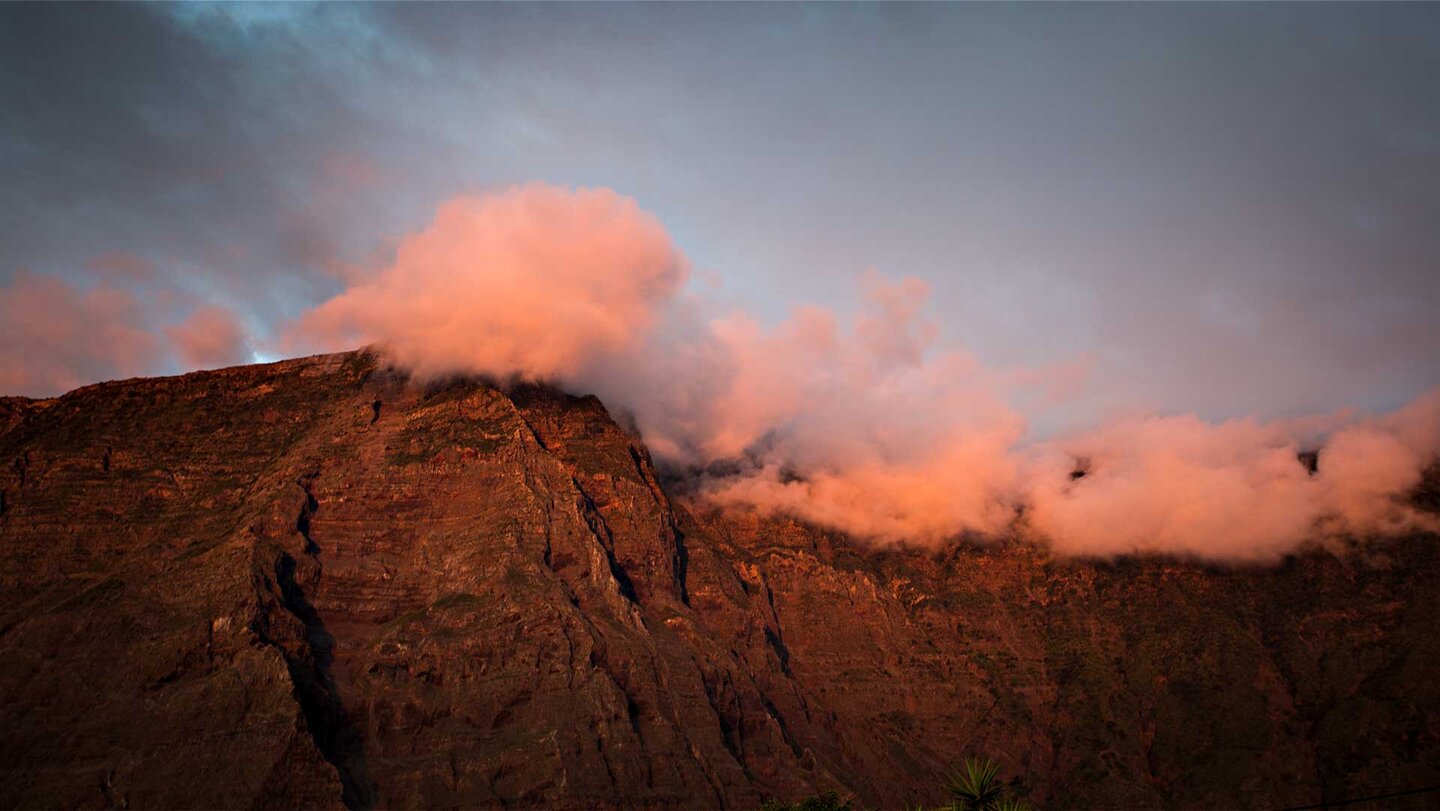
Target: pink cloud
(536, 281)
(867, 425)
(58, 337)
(1233, 490)
(210, 337)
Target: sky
(1212, 225)
(1229, 208)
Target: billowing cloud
(866, 424)
(1232, 490)
(537, 282)
(863, 427)
(1191, 262)
(58, 336)
(257, 154)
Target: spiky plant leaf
(976, 785)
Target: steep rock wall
(316, 583)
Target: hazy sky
(1230, 209)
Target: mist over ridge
(867, 425)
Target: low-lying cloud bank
(865, 424)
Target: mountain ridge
(318, 583)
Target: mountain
(316, 583)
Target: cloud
(536, 281)
(863, 427)
(866, 424)
(58, 336)
(210, 337)
(1178, 485)
(1207, 266)
(1193, 263)
(1233, 490)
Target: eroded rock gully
(257, 587)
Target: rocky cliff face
(316, 584)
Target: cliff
(315, 583)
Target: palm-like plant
(976, 785)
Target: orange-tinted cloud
(58, 337)
(1234, 490)
(210, 337)
(867, 428)
(863, 425)
(536, 281)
